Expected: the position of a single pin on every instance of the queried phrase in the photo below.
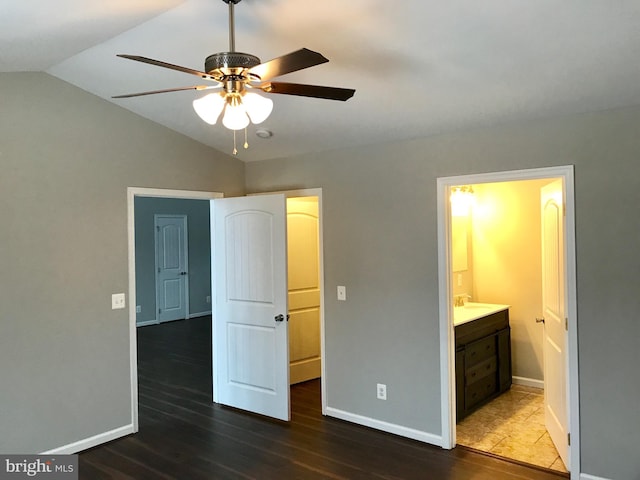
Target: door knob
(539, 320)
(279, 318)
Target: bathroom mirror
(459, 243)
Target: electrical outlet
(381, 391)
(117, 301)
(138, 309)
(342, 293)
(208, 298)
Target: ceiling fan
(239, 76)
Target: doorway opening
(134, 193)
(491, 278)
(307, 315)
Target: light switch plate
(117, 301)
(342, 293)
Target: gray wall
(380, 241)
(67, 159)
(199, 236)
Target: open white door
(554, 312)
(250, 329)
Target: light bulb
(235, 115)
(258, 107)
(209, 107)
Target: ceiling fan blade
(291, 62)
(316, 91)
(166, 90)
(171, 66)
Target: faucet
(460, 300)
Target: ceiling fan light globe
(258, 107)
(209, 107)
(235, 117)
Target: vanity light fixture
(462, 199)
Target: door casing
(133, 192)
(447, 350)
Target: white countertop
(472, 311)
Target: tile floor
(512, 426)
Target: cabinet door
(504, 359)
(460, 410)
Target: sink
(473, 311)
(477, 306)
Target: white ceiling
(420, 67)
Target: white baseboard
(146, 322)
(584, 476)
(528, 382)
(385, 426)
(201, 314)
(91, 441)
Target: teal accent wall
(199, 236)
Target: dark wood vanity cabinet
(483, 361)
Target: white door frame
(185, 247)
(314, 192)
(447, 350)
(133, 192)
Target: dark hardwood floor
(184, 436)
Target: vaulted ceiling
(420, 67)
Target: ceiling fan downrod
(232, 26)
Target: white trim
(447, 355)
(133, 192)
(147, 322)
(199, 314)
(314, 192)
(90, 442)
(385, 426)
(527, 382)
(585, 476)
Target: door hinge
(566, 323)
(158, 228)
(568, 439)
(158, 269)
(159, 310)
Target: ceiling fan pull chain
(235, 150)
(246, 141)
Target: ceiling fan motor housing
(229, 63)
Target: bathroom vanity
(483, 354)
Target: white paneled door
(171, 267)
(554, 310)
(304, 288)
(250, 321)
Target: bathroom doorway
(498, 262)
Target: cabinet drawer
(480, 328)
(479, 391)
(480, 350)
(481, 370)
